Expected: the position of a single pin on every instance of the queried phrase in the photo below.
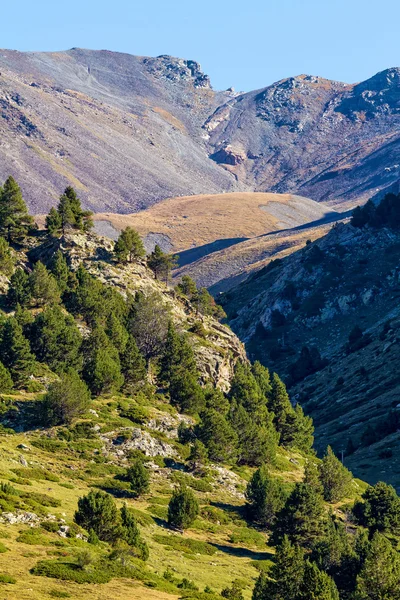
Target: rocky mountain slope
(129, 131)
(328, 318)
(216, 353)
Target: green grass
(185, 545)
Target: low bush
(185, 545)
(7, 578)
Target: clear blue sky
(247, 44)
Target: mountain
(327, 317)
(129, 131)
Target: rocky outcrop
(216, 355)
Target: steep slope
(315, 298)
(126, 128)
(319, 138)
(129, 131)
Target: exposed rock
(133, 438)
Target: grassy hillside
(195, 221)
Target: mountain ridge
(136, 130)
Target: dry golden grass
(192, 221)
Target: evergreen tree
(279, 404)
(245, 389)
(206, 304)
(317, 585)
(379, 578)
(97, 511)
(257, 442)
(138, 476)
(56, 340)
(187, 286)
(54, 222)
(217, 435)
(302, 518)
(129, 246)
(7, 260)
(161, 264)
(15, 220)
(133, 365)
(380, 509)
(44, 288)
(312, 477)
(116, 332)
(266, 497)
(298, 430)
(285, 577)
(262, 377)
(15, 353)
(183, 508)
(102, 368)
(60, 271)
(198, 455)
(335, 478)
(66, 399)
(216, 400)
(6, 383)
(131, 534)
(19, 291)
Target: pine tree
(116, 332)
(56, 340)
(285, 577)
(198, 455)
(19, 291)
(129, 246)
(245, 389)
(279, 404)
(44, 288)
(302, 518)
(66, 214)
(54, 222)
(138, 476)
(183, 508)
(15, 220)
(187, 286)
(379, 578)
(60, 271)
(380, 509)
(266, 497)
(102, 368)
(317, 585)
(335, 478)
(6, 383)
(161, 264)
(66, 399)
(133, 365)
(258, 442)
(15, 353)
(7, 260)
(217, 435)
(262, 377)
(97, 511)
(298, 430)
(131, 534)
(312, 476)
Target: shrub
(7, 578)
(67, 571)
(183, 508)
(186, 545)
(138, 476)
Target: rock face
(128, 131)
(320, 298)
